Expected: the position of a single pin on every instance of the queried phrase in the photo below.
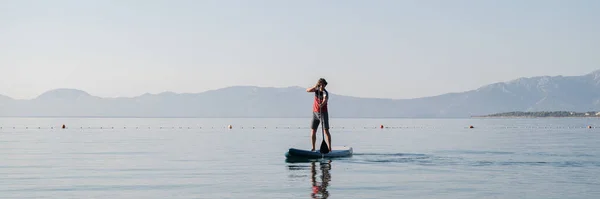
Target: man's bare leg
(313, 136)
(328, 139)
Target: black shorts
(316, 120)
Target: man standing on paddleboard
(320, 112)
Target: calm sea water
(201, 158)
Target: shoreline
(507, 117)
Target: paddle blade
(324, 149)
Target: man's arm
(325, 97)
(312, 89)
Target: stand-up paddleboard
(336, 152)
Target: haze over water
(414, 158)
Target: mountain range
(542, 93)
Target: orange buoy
(471, 127)
(381, 126)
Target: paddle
(324, 149)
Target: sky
(386, 49)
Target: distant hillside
(544, 93)
(4, 98)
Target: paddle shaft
(324, 148)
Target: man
(320, 112)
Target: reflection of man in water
(320, 188)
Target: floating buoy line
(288, 127)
